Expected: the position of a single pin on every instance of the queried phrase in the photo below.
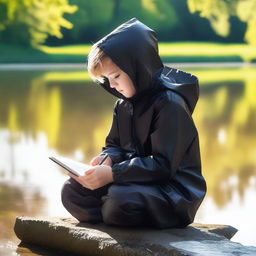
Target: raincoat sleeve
(112, 145)
(172, 132)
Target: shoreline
(82, 66)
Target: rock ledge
(87, 239)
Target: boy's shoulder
(171, 99)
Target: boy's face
(118, 79)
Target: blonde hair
(94, 63)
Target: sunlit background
(48, 108)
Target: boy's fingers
(93, 162)
(105, 161)
(89, 172)
(88, 179)
(97, 159)
(83, 183)
(73, 177)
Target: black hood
(134, 48)
(182, 83)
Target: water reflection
(226, 118)
(59, 109)
(17, 200)
(61, 112)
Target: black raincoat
(153, 139)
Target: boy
(152, 176)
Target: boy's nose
(113, 84)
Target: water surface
(47, 112)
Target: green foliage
(96, 18)
(218, 12)
(32, 21)
(158, 14)
(90, 20)
(246, 12)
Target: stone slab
(99, 239)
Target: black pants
(122, 205)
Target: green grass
(169, 52)
(208, 51)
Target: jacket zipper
(134, 139)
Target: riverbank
(82, 66)
(174, 52)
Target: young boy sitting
(152, 176)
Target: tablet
(76, 168)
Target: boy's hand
(97, 159)
(96, 177)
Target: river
(46, 112)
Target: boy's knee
(80, 202)
(68, 191)
(118, 195)
(121, 206)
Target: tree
(89, 22)
(218, 12)
(96, 18)
(30, 22)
